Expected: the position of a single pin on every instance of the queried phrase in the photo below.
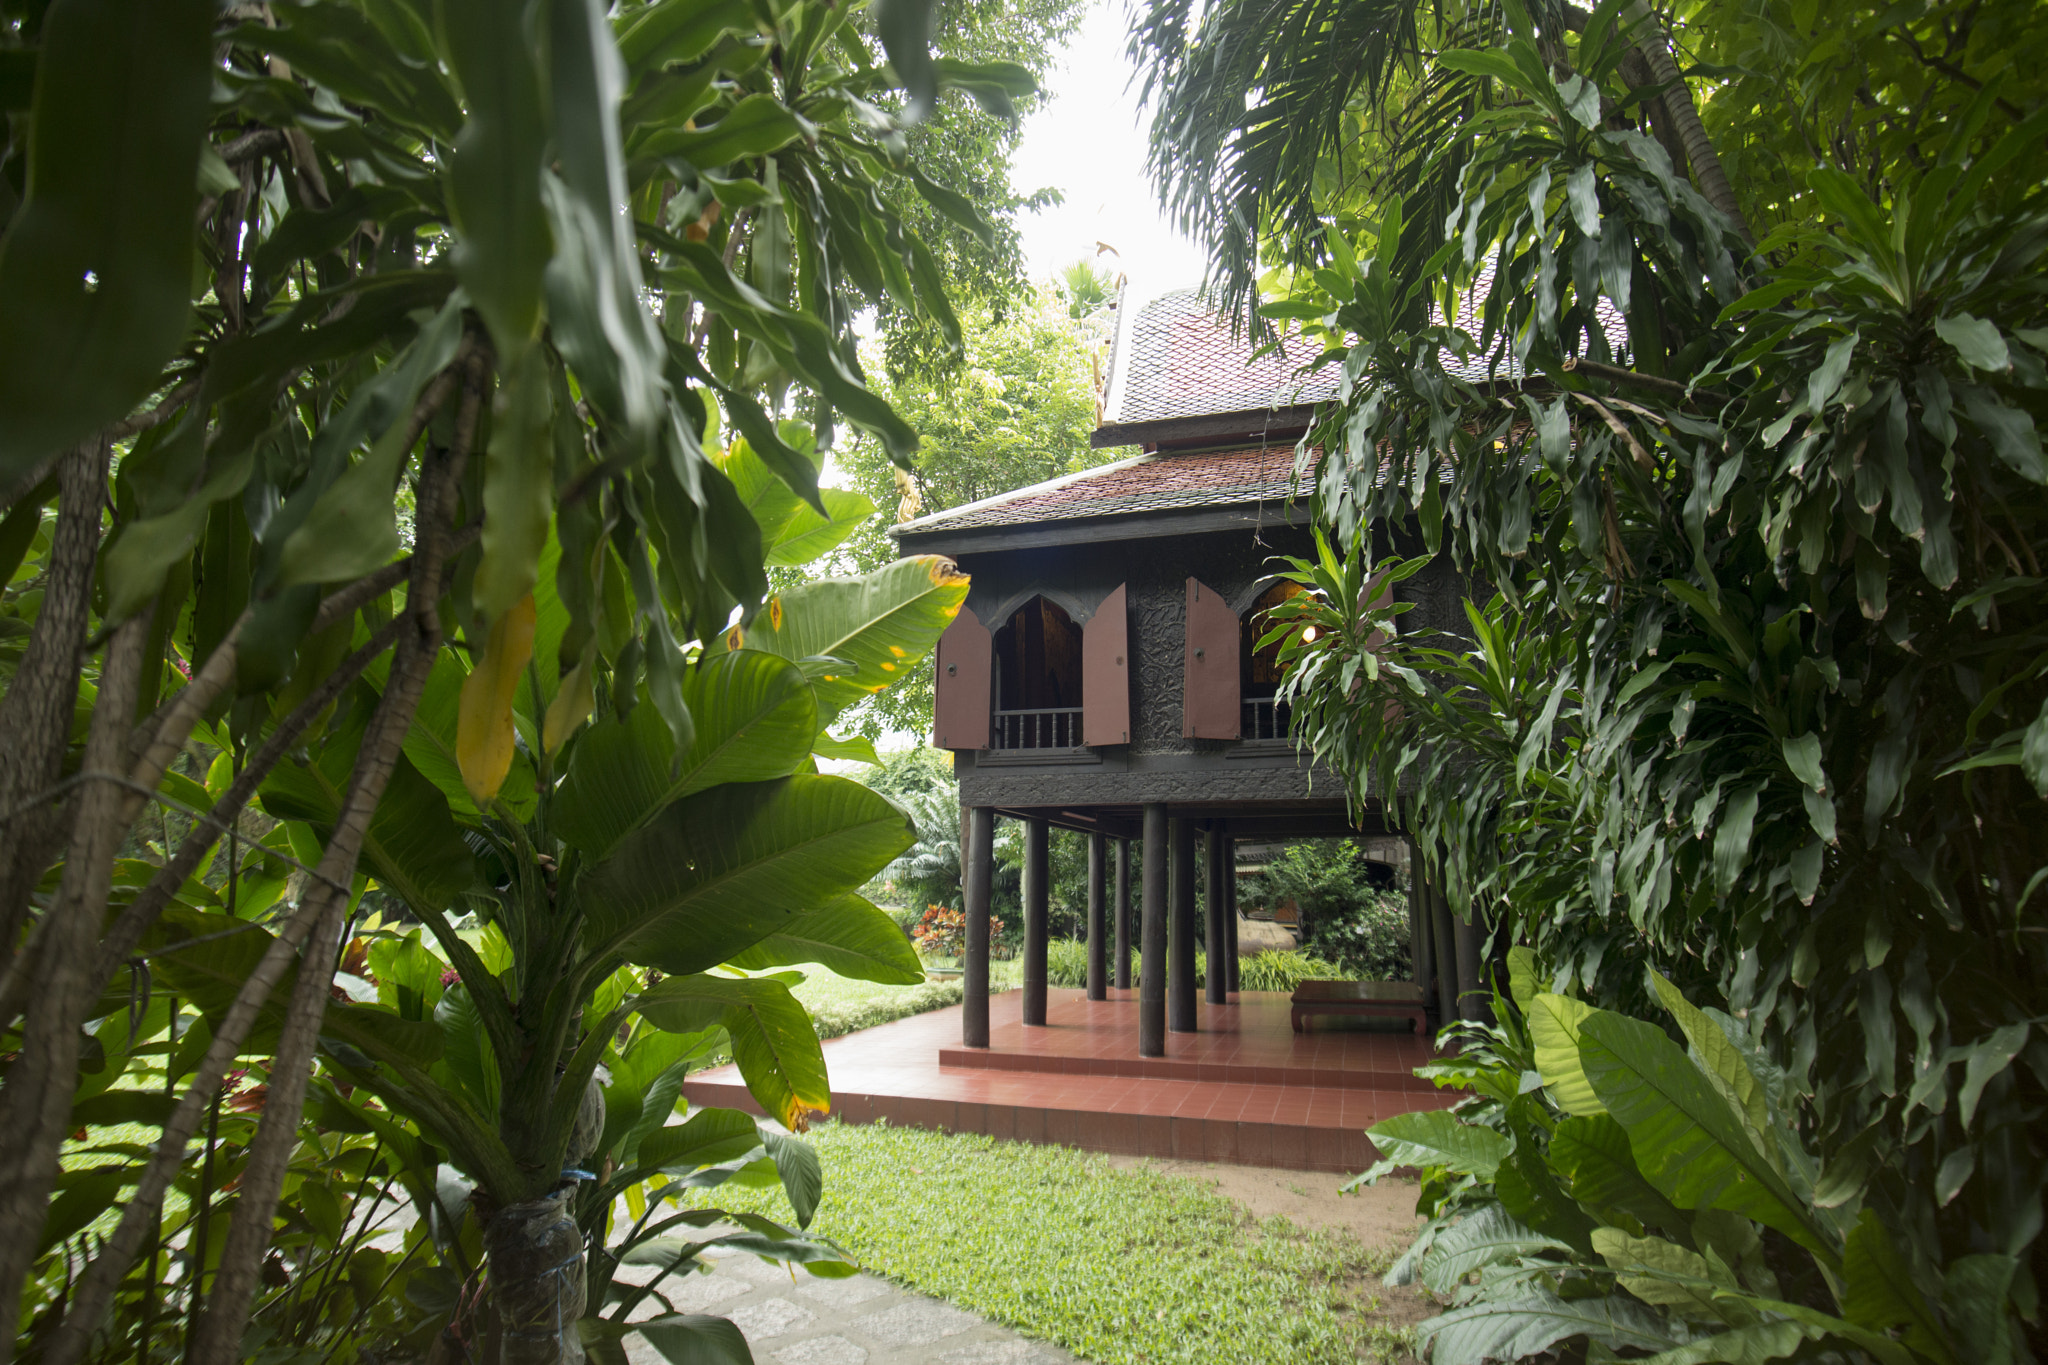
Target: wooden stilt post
(977, 866)
(1180, 955)
(1122, 953)
(1472, 997)
(1230, 907)
(1215, 916)
(1152, 940)
(1098, 947)
(1036, 894)
(1421, 930)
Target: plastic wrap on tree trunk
(536, 1259)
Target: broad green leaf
(1802, 756)
(1483, 1238)
(806, 536)
(905, 28)
(695, 1339)
(1879, 1292)
(414, 847)
(803, 1179)
(1750, 1345)
(1592, 1153)
(857, 749)
(1436, 1137)
(352, 528)
(1554, 1022)
(1659, 1272)
(755, 126)
(519, 486)
(871, 629)
(96, 264)
(1688, 1141)
(755, 721)
(1523, 983)
(850, 937)
(706, 1138)
(1975, 340)
(145, 551)
(1724, 1064)
(503, 241)
(1514, 1329)
(466, 1049)
(717, 872)
(773, 1043)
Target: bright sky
(1088, 142)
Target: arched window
(1264, 718)
(1038, 679)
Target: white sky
(1086, 140)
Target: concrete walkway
(860, 1321)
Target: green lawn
(1116, 1266)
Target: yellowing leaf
(483, 727)
(571, 706)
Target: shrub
(1066, 962)
(835, 1021)
(1285, 971)
(1368, 935)
(942, 931)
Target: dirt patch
(1382, 1217)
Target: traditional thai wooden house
(1104, 675)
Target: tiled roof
(1148, 483)
(1179, 360)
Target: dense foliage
(486, 364)
(1346, 909)
(1755, 691)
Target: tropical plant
(520, 273)
(1346, 911)
(1753, 691)
(1652, 1197)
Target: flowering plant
(943, 931)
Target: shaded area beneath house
(1245, 1088)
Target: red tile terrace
(1244, 1088)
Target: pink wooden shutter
(1106, 674)
(1209, 692)
(960, 709)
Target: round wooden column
(1152, 939)
(1121, 954)
(977, 865)
(1216, 984)
(1180, 990)
(1098, 946)
(1230, 905)
(1036, 894)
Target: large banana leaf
(871, 628)
(792, 532)
(773, 1042)
(1687, 1139)
(850, 936)
(715, 873)
(755, 720)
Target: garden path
(864, 1320)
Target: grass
(1116, 1266)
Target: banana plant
(1610, 1184)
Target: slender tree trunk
(35, 711)
(1655, 46)
(35, 1107)
(249, 1234)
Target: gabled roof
(1175, 357)
(1145, 483)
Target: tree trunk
(1655, 46)
(235, 1283)
(535, 1251)
(35, 712)
(35, 1107)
